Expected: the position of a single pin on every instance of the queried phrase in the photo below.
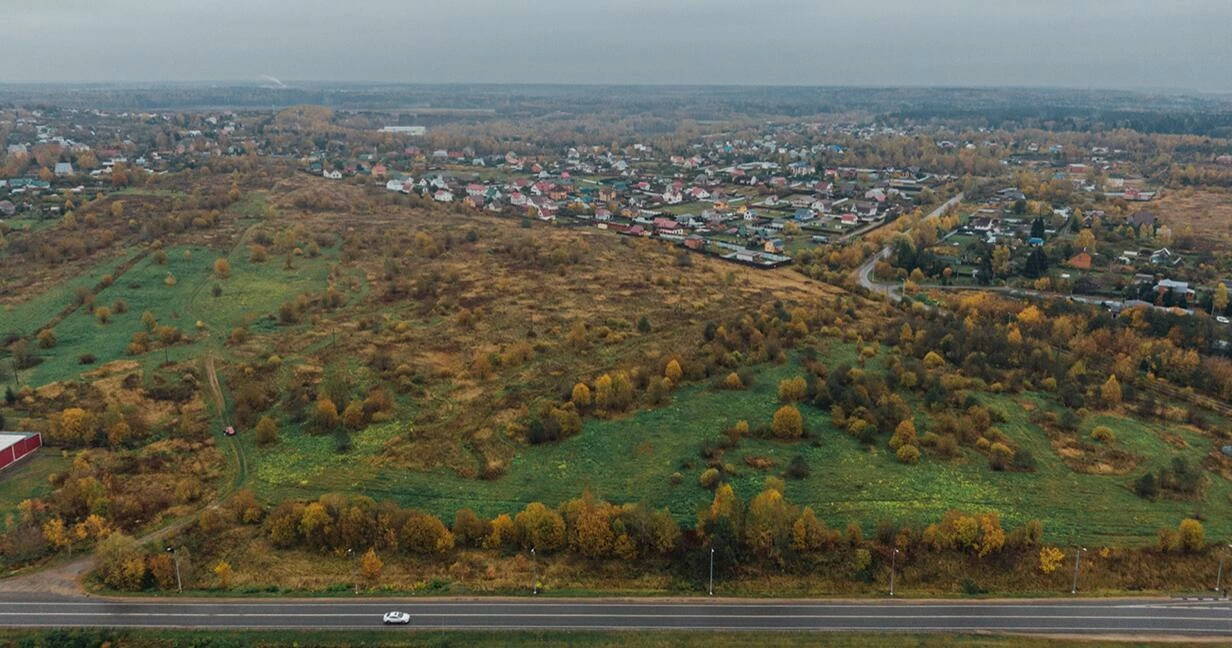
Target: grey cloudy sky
(1079, 43)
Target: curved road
(1137, 617)
(865, 272)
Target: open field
(848, 482)
(1208, 212)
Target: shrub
(86, 359)
(1050, 559)
(266, 431)
(47, 339)
(792, 390)
(1192, 535)
(908, 454)
(999, 456)
(1146, 486)
(732, 381)
(1103, 434)
(709, 478)
(798, 468)
(787, 423)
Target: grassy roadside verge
(387, 638)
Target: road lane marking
(1115, 630)
(617, 615)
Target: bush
(709, 478)
(999, 456)
(1103, 434)
(798, 468)
(266, 431)
(86, 359)
(1192, 535)
(787, 423)
(47, 339)
(1146, 487)
(908, 454)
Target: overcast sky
(1184, 44)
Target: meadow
(653, 456)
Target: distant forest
(1051, 109)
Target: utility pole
(534, 566)
(712, 571)
(179, 585)
(1077, 560)
(1219, 574)
(893, 567)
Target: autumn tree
(1086, 239)
(1050, 559)
(162, 567)
(426, 534)
(792, 390)
(1219, 302)
(57, 535)
(808, 534)
(769, 524)
(1111, 391)
(223, 571)
(120, 563)
(581, 396)
(577, 336)
(1192, 535)
(353, 417)
(266, 431)
(469, 529)
(102, 314)
(673, 372)
(325, 415)
(46, 339)
(539, 527)
(370, 566)
(787, 423)
(222, 268)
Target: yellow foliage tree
(787, 423)
(370, 566)
(224, 572)
(1111, 391)
(1050, 559)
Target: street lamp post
(712, 571)
(893, 567)
(1219, 574)
(534, 566)
(179, 585)
(1077, 559)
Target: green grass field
(27, 480)
(634, 459)
(250, 295)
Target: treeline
(764, 532)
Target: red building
(15, 445)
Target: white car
(1222, 320)
(400, 618)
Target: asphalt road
(1123, 617)
(865, 272)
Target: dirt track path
(220, 404)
